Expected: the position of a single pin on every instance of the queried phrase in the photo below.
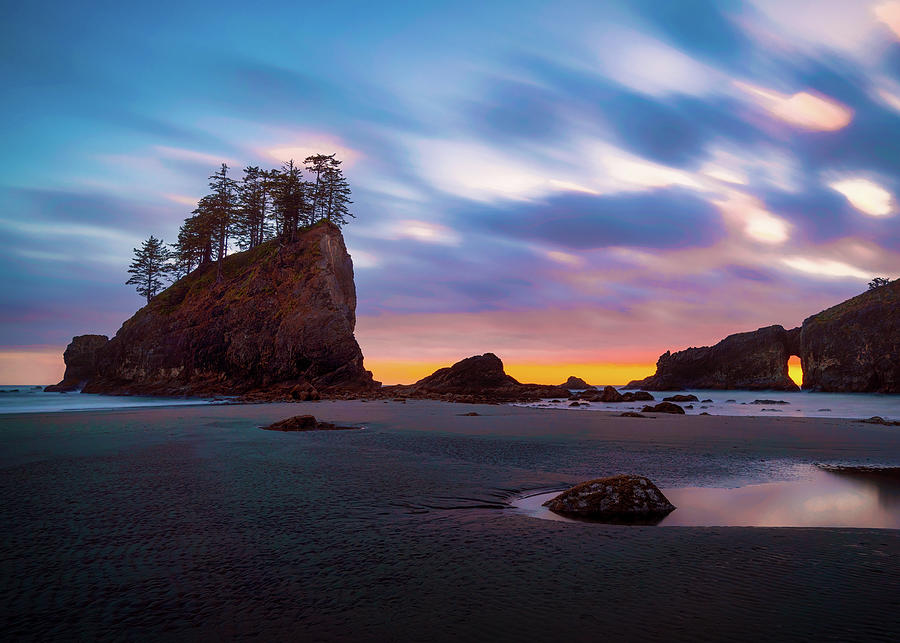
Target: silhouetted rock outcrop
(81, 362)
(623, 498)
(756, 361)
(575, 383)
(854, 346)
(283, 316)
(480, 378)
(664, 407)
(306, 423)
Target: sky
(576, 187)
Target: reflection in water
(823, 499)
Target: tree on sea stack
(149, 267)
(878, 282)
(223, 204)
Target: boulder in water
(622, 498)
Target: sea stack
(282, 315)
(854, 346)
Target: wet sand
(191, 522)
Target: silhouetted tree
(289, 200)
(253, 206)
(222, 204)
(878, 282)
(317, 165)
(336, 192)
(149, 267)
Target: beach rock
(608, 395)
(305, 423)
(471, 414)
(707, 401)
(80, 357)
(769, 402)
(282, 315)
(622, 498)
(756, 361)
(681, 398)
(575, 383)
(664, 407)
(637, 396)
(478, 379)
(631, 414)
(877, 419)
(854, 346)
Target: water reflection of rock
(884, 481)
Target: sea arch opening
(795, 369)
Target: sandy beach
(192, 523)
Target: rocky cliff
(851, 347)
(282, 317)
(854, 346)
(756, 361)
(81, 362)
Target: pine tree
(149, 267)
(317, 165)
(336, 193)
(223, 204)
(250, 227)
(289, 199)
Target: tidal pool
(819, 499)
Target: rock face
(575, 383)
(854, 346)
(81, 362)
(305, 423)
(664, 407)
(480, 378)
(472, 375)
(756, 361)
(283, 315)
(623, 498)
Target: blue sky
(556, 182)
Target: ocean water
(741, 403)
(33, 399)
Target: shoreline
(192, 522)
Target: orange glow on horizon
(389, 372)
(30, 367)
(795, 372)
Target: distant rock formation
(851, 347)
(575, 383)
(622, 498)
(81, 362)
(306, 423)
(854, 346)
(480, 378)
(756, 361)
(283, 316)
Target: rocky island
(281, 317)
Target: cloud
(804, 109)
(865, 195)
(827, 268)
(661, 218)
(650, 66)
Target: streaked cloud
(803, 109)
(828, 268)
(865, 195)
